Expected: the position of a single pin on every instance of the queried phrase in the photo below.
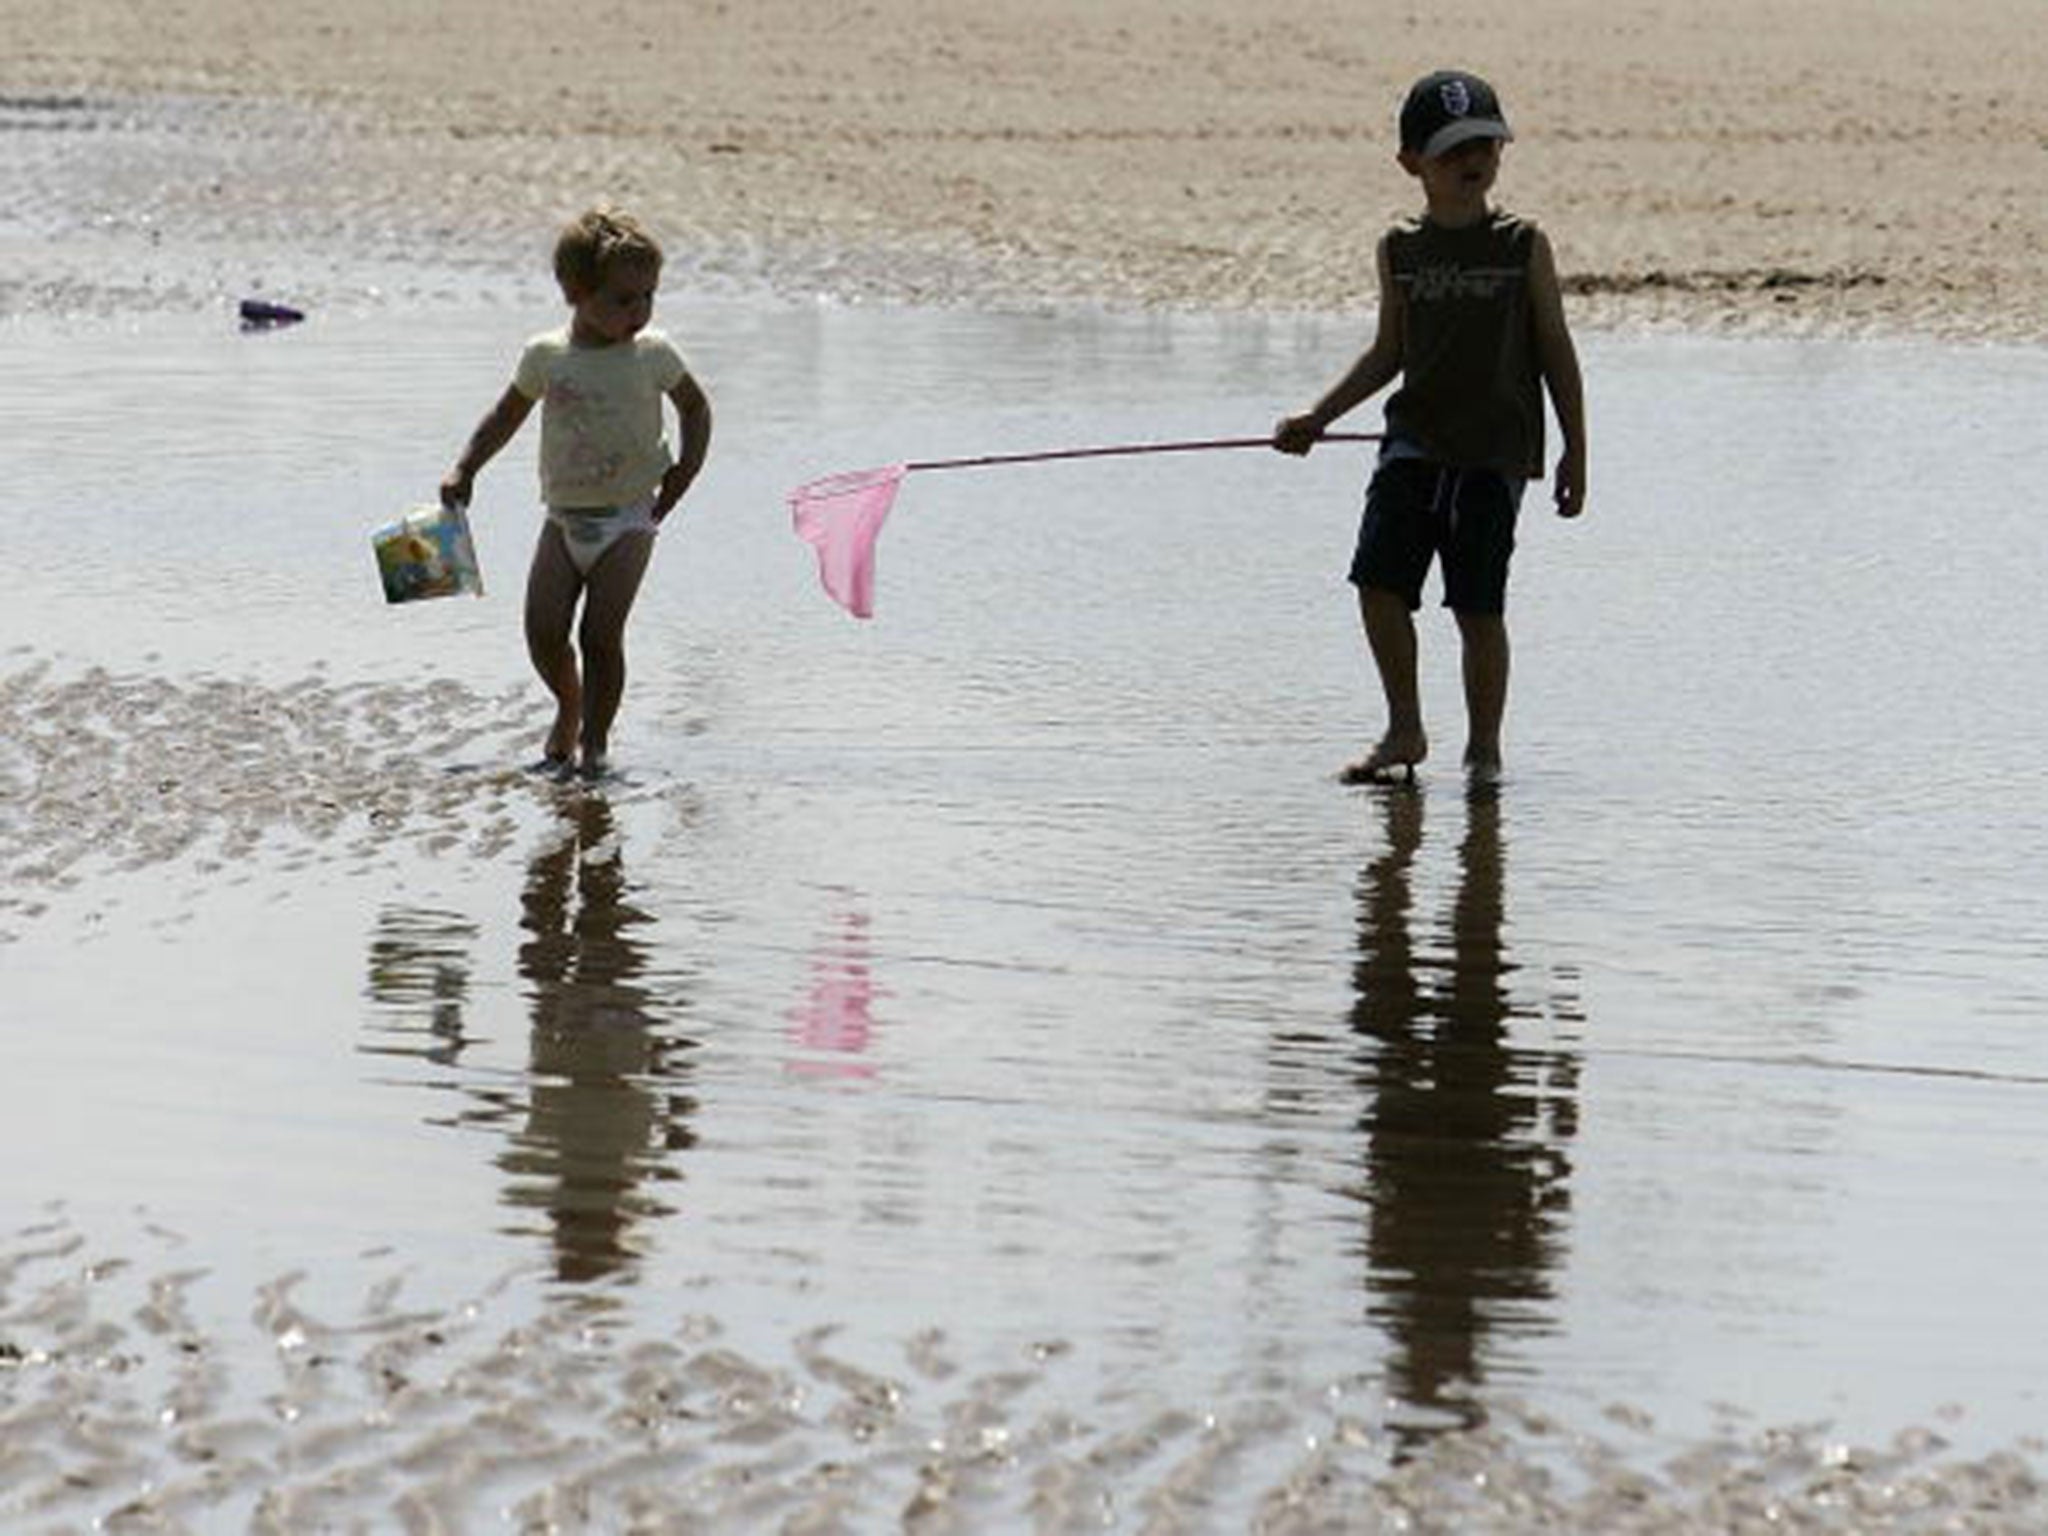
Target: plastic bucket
(428, 552)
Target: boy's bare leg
(552, 586)
(1390, 632)
(612, 585)
(1485, 637)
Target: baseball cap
(1447, 108)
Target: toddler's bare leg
(1485, 637)
(613, 584)
(552, 586)
(1390, 632)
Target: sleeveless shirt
(1471, 393)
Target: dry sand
(1827, 165)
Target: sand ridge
(108, 773)
(126, 1406)
(1838, 166)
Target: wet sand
(1835, 166)
(121, 1408)
(108, 774)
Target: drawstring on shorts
(1451, 481)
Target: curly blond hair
(594, 242)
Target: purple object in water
(258, 314)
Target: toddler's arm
(1376, 367)
(693, 413)
(491, 434)
(1559, 360)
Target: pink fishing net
(841, 516)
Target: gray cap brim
(1463, 131)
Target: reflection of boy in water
(1465, 1177)
(597, 1126)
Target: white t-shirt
(601, 437)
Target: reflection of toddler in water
(606, 473)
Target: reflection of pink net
(835, 1021)
(841, 516)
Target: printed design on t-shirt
(591, 455)
(1450, 281)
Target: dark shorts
(1416, 511)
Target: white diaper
(590, 531)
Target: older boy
(1472, 322)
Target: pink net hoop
(852, 482)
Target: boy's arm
(693, 412)
(492, 433)
(1376, 367)
(1559, 361)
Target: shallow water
(1002, 990)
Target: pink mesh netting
(840, 517)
